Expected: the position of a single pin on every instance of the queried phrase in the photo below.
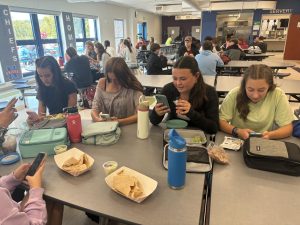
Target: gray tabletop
(89, 191)
(244, 196)
(246, 64)
(159, 81)
(226, 83)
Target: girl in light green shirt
(257, 106)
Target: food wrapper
(232, 143)
(56, 116)
(218, 154)
(131, 184)
(74, 161)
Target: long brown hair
(255, 72)
(198, 92)
(125, 77)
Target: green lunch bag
(42, 140)
(101, 133)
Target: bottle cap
(176, 141)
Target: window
(85, 30)
(37, 35)
(119, 31)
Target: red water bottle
(74, 124)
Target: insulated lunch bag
(42, 140)
(272, 155)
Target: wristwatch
(3, 131)
(234, 132)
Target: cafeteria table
(245, 196)
(89, 192)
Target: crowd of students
(256, 105)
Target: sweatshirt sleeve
(208, 118)
(9, 182)
(34, 212)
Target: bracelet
(3, 131)
(234, 132)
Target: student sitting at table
(80, 67)
(90, 50)
(32, 208)
(233, 51)
(128, 53)
(117, 94)
(55, 92)
(257, 105)
(189, 97)
(102, 56)
(156, 62)
(187, 48)
(207, 60)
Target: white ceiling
(188, 7)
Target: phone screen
(36, 163)
(162, 99)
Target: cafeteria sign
(8, 55)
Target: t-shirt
(120, 104)
(55, 99)
(274, 109)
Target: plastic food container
(109, 167)
(60, 149)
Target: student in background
(156, 62)
(189, 97)
(110, 50)
(261, 44)
(80, 67)
(207, 60)
(102, 56)
(150, 43)
(129, 54)
(169, 40)
(257, 105)
(233, 51)
(117, 94)
(188, 49)
(89, 50)
(120, 48)
(55, 92)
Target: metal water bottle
(143, 119)
(74, 124)
(176, 160)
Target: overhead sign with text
(69, 29)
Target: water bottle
(176, 160)
(143, 119)
(74, 124)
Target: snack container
(109, 167)
(76, 153)
(148, 184)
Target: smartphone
(36, 163)
(255, 134)
(105, 116)
(162, 99)
(33, 115)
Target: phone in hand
(105, 116)
(36, 163)
(162, 99)
(255, 134)
(32, 115)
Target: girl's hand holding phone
(161, 109)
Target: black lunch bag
(272, 155)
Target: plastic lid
(10, 158)
(176, 124)
(71, 109)
(176, 141)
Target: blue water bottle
(176, 160)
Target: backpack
(272, 155)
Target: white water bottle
(143, 120)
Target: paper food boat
(76, 153)
(147, 183)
